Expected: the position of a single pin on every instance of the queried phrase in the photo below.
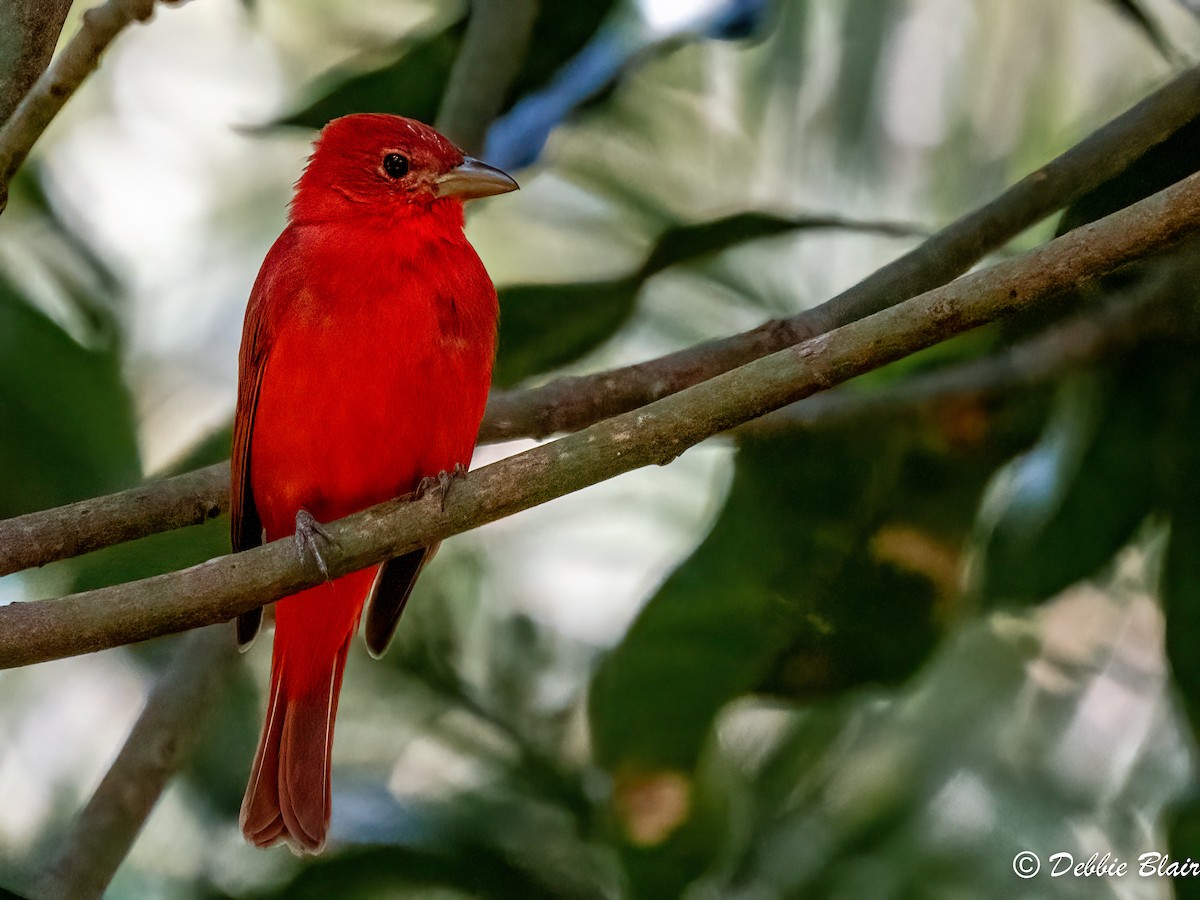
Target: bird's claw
(310, 534)
(440, 483)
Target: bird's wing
(390, 594)
(246, 528)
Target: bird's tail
(288, 797)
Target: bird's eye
(395, 165)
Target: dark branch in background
(490, 57)
(157, 747)
(36, 25)
(1076, 342)
(569, 403)
(218, 590)
(59, 82)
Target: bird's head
(369, 165)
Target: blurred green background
(874, 657)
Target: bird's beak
(474, 179)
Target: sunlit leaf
(413, 83)
(1135, 12)
(546, 326)
(1178, 470)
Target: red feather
(365, 364)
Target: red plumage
(365, 364)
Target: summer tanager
(364, 369)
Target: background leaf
(411, 85)
(64, 410)
(547, 326)
(414, 82)
(797, 510)
(1064, 509)
(1135, 12)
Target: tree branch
(569, 403)
(1078, 341)
(218, 590)
(37, 538)
(35, 26)
(159, 744)
(490, 57)
(59, 82)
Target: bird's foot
(440, 483)
(310, 535)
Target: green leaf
(413, 82)
(1060, 512)
(411, 85)
(1183, 837)
(687, 242)
(1181, 605)
(1179, 473)
(369, 873)
(834, 563)
(488, 842)
(65, 412)
(1178, 469)
(545, 326)
(559, 32)
(797, 511)
(1133, 11)
(866, 27)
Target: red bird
(364, 369)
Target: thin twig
(37, 24)
(218, 590)
(489, 58)
(569, 403)
(59, 82)
(157, 747)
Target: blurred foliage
(546, 326)
(412, 84)
(896, 657)
(798, 511)
(61, 388)
(1139, 16)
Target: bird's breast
(364, 394)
